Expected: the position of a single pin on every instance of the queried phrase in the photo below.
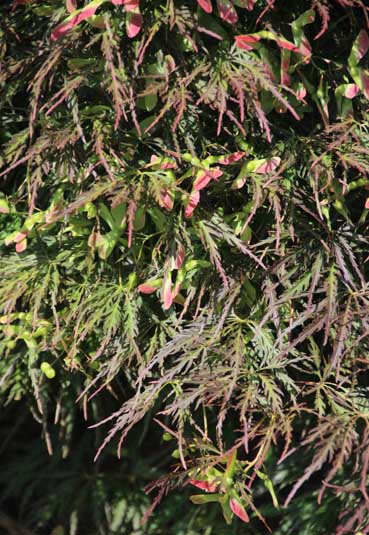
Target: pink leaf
(268, 166)
(367, 204)
(246, 41)
(72, 22)
(204, 178)
(231, 158)
(250, 4)
(227, 11)
(238, 510)
(21, 246)
(205, 5)
(133, 23)
(351, 91)
(204, 485)
(363, 44)
(192, 203)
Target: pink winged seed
(146, 288)
(365, 83)
(166, 200)
(167, 293)
(133, 23)
(268, 166)
(204, 485)
(181, 253)
(231, 158)
(204, 178)
(227, 11)
(238, 510)
(68, 25)
(192, 203)
(363, 44)
(19, 237)
(205, 5)
(71, 5)
(250, 4)
(351, 91)
(245, 42)
(21, 246)
(165, 164)
(287, 45)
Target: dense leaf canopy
(184, 266)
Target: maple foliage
(184, 254)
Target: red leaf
(245, 42)
(205, 5)
(227, 11)
(133, 23)
(238, 510)
(192, 203)
(204, 485)
(268, 166)
(204, 178)
(231, 158)
(72, 22)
